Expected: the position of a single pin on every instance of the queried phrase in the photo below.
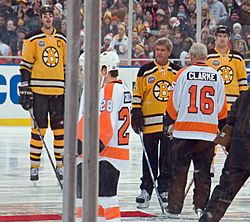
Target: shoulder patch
(127, 97)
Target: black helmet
(222, 29)
(46, 8)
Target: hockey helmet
(110, 59)
(46, 8)
(222, 29)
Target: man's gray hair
(198, 51)
(166, 42)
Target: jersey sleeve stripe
(136, 100)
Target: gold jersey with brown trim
(151, 92)
(44, 56)
(233, 70)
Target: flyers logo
(161, 90)
(226, 73)
(50, 56)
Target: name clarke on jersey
(206, 76)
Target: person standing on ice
(42, 71)
(114, 124)
(195, 107)
(151, 92)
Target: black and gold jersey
(151, 92)
(44, 56)
(233, 70)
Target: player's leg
(108, 202)
(56, 110)
(231, 180)
(202, 159)
(164, 168)
(40, 112)
(151, 142)
(181, 154)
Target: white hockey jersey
(197, 102)
(114, 120)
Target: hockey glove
(137, 120)
(26, 97)
(224, 137)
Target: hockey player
(229, 64)
(42, 87)
(195, 105)
(236, 169)
(150, 96)
(114, 120)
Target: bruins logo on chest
(226, 73)
(50, 56)
(161, 90)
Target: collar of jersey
(227, 53)
(160, 67)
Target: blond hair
(165, 42)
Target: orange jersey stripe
(106, 129)
(100, 211)
(223, 113)
(196, 126)
(80, 130)
(170, 107)
(112, 213)
(116, 153)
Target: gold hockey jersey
(44, 56)
(233, 70)
(151, 92)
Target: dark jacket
(239, 118)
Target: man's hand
(26, 97)
(137, 120)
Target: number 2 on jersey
(206, 103)
(123, 135)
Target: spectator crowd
(152, 19)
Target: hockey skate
(143, 200)
(34, 175)
(164, 198)
(199, 212)
(59, 171)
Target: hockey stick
(46, 148)
(151, 174)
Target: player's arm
(242, 76)
(233, 112)
(105, 119)
(26, 65)
(137, 120)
